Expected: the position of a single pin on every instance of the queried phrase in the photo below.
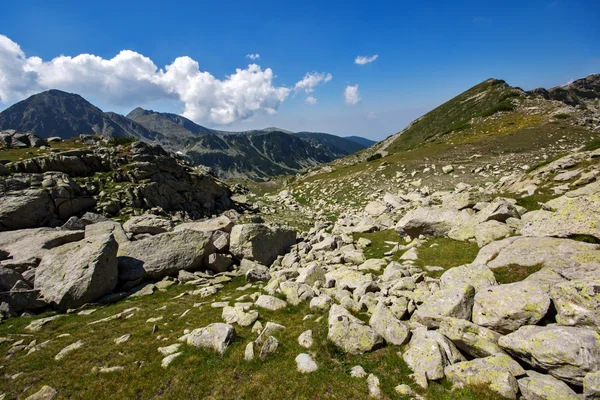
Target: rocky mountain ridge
(56, 113)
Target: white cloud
(371, 115)
(362, 60)
(351, 94)
(253, 56)
(130, 79)
(311, 100)
(311, 80)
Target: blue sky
(428, 52)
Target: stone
(219, 262)
(45, 393)
(296, 293)
(104, 228)
(591, 386)
(169, 359)
(249, 351)
(270, 302)
(388, 326)
(221, 223)
(480, 372)
(410, 255)
(577, 303)
(505, 308)
(305, 364)
(311, 274)
(259, 273)
(349, 333)
(536, 386)
(567, 353)
(237, 315)
(8, 278)
(305, 339)
(122, 339)
(376, 208)
(430, 221)
(345, 278)
(215, 336)
(372, 264)
(373, 386)
(70, 348)
(447, 169)
(269, 330)
(36, 326)
(260, 242)
(269, 347)
(167, 350)
(321, 303)
(28, 244)
(425, 357)
(490, 231)
(454, 302)
(163, 255)
(478, 276)
(357, 372)
(74, 274)
(473, 339)
(148, 223)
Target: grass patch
(446, 253)
(514, 273)
(532, 203)
(378, 246)
(24, 154)
(593, 144)
(585, 239)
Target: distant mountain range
(256, 154)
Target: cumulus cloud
(351, 94)
(253, 56)
(130, 78)
(362, 60)
(309, 82)
(311, 100)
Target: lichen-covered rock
(260, 242)
(536, 386)
(221, 223)
(430, 221)
(148, 223)
(480, 372)
(215, 336)
(349, 333)
(454, 302)
(296, 293)
(232, 315)
(163, 255)
(567, 353)
(505, 308)
(269, 347)
(345, 278)
(45, 393)
(77, 273)
(270, 303)
(473, 339)
(490, 231)
(577, 303)
(478, 276)
(258, 273)
(305, 363)
(388, 326)
(591, 386)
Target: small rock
(305, 363)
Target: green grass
(197, 373)
(532, 203)
(514, 273)
(378, 247)
(23, 154)
(593, 144)
(447, 253)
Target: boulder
(163, 255)
(258, 273)
(270, 302)
(305, 363)
(454, 302)
(376, 208)
(261, 243)
(490, 231)
(577, 303)
(77, 273)
(296, 293)
(8, 278)
(219, 262)
(430, 221)
(26, 209)
(215, 337)
(45, 393)
(388, 326)
(349, 333)
(105, 228)
(481, 372)
(232, 315)
(536, 386)
(148, 223)
(505, 308)
(478, 276)
(345, 278)
(473, 339)
(221, 223)
(567, 353)
(591, 386)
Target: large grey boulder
(536, 386)
(261, 243)
(482, 372)
(77, 273)
(574, 213)
(25, 244)
(107, 227)
(215, 337)
(296, 293)
(26, 209)
(478, 276)
(430, 221)
(388, 326)
(473, 339)
(505, 308)
(148, 223)
(577, 303)
(567, 353)
(8, 278)
(454, 302)
(346, 278)
(591, 386)
(349, 333)
(163, 255)
(221, 223)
